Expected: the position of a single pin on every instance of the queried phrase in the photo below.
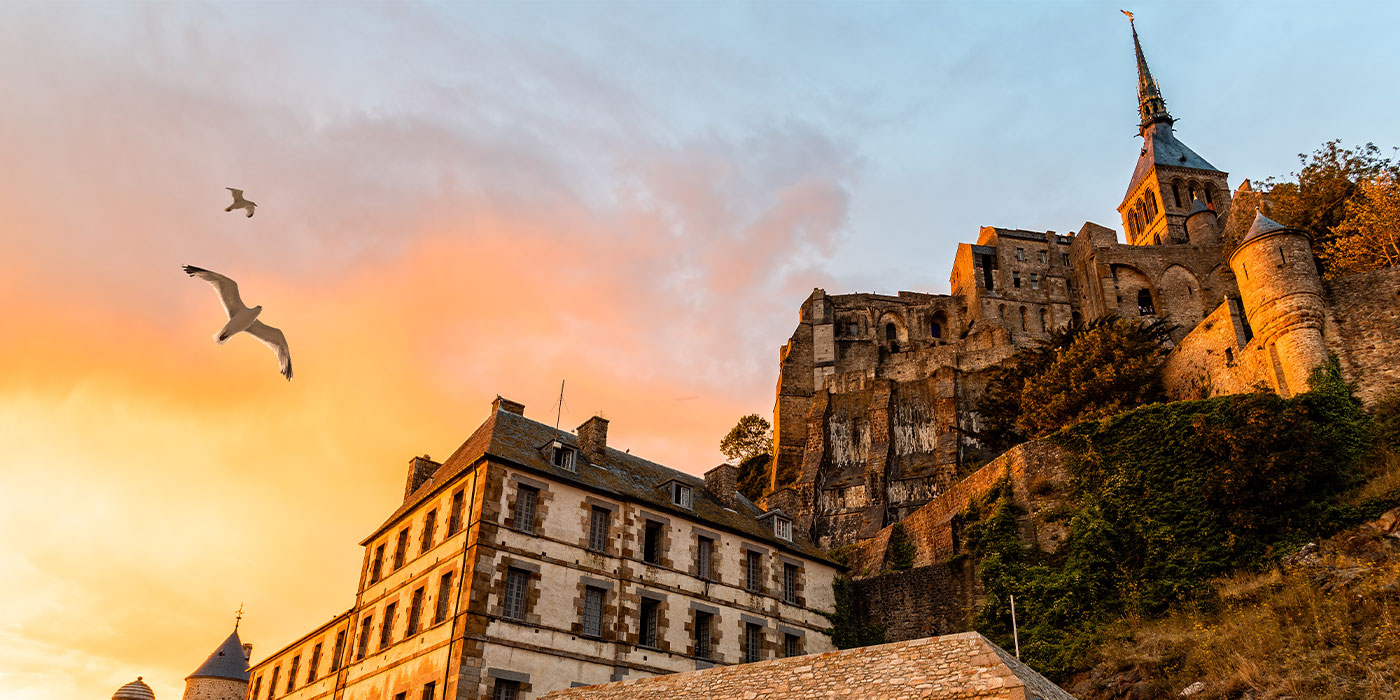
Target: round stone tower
(1202, 225)
(222, 676)
(1283, 301)
(135, 690)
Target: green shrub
(900, 551)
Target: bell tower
(1169, 176)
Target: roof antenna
(238, 617)
(559, 412)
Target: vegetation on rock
(750, 437)
(848, 629)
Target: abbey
(874, 410)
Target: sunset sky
(461, 200)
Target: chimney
(420, 469)
(247, 651)
(723, 483)
(508, 406)
(593, 439)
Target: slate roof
(227, 661)
(1262, 225)
(513, 438)
(135, 690)
(1197, 206)
(1161, 147)
(965, 666)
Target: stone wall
(1363, 330)
(922, 602)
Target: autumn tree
(1369, 237)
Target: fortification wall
(921, 602)
(1215, 358)
(1363, 330)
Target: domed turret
(135, 690)
(1202, 225)
(1283, 300)
(222, 676)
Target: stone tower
(1168, 176)
(135, 690)
(1283, 301)
(1202, 225)
(222, 676)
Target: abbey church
(874, 412)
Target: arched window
(1023, 318)
(1145, 307)
(1152, 204)
(891, 334)
(1044, 321)
(937, 323)
(1191, 190)
(1176, 193)
(1210, 196)
(935, 330)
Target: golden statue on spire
(1129, 14)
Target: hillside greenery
(1164, 498)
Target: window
(429, 690)
(339, 650)
(1210, 195)
(272, 687)
(891, 333)
(401, 696)
(782, 529)
(753, 639)
(647, 633)
(1044, 320)
(790, 583)
(753, 578)
(401, 550)
(680, 495)
(702, 634)
(704, 555)
(563, 457)
(428, 526)
(454, 518)
(792, 645)
(506, 690)
(1044, 257)
(1016, 279)
(1176, 193)
(1023, 318)
(935, 330)
(364, 636)
(1035, 281)
(593, 611)
(415, 610)
(525, 499)
(853, 329)
(444, 597)
(1021, 254)
(377, 568)
(315, 663)
(598, 529)
(515, 594)
(1191, 191)
(1144, 300)
(257, 687)
(651, 543)
(386, 629)
(1064, 259)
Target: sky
(462, 200)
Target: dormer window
(782, 528)
(680, 495)
(563, 456)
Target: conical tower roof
(227, 661)
(1262, 225)
(135, 690)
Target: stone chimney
(723, 484)
(247, 651)
(420, 469)
(508, 406)
(593, 439)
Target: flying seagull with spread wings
(239, 202)
(242, 318)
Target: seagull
(242, 318)
(239, 202)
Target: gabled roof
(965, 666)
(515, 439)
(1161, 147)
(226, 662)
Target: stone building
(532, 560)
(876, 395)
(965, 666)
(222, 676)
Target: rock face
(964, 666)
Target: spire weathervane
(1151, 107)
(238, 617)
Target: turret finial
(238, 617)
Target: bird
(242, 318)
(239, 202)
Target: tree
(750, 437)
(1081, 372)
(1369, 237)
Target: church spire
(1150, 103)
